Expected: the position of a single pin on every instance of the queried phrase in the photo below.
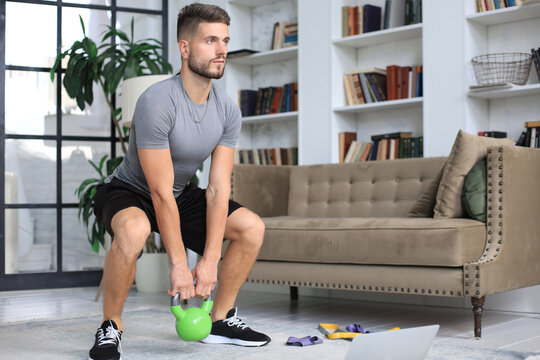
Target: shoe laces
(109, 336)
(236, 321)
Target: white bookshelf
(382, 105)
(514, 91)
(402, 46)
(508, 15)
(266, 57)
(378, 37)
(270, 118)
(513, 29)
(252, 28)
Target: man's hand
(182, 282)
(205, 272)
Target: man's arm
(158, 171)
(217, 205)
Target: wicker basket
(492, 69)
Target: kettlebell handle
(175, 300)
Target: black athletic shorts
(117, 195)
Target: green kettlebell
(192, 324)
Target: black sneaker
(234, 331)
(107, 345)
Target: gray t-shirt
(162, 120)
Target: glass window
(77, 252)
(88, 2)
(25, 87)
(140, 4)
(145, 26)
(33, 162)
(75, 166)
(30, 240)
(30, 34)
(95, 120)
(95, 23)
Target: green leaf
(82, 25)
(80, 101)
(95, 245)
(132, 37)
(113, 164)
(154, 69)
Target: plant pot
(152, 274)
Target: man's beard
(199, 68)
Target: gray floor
(501, 330)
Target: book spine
(536, 59)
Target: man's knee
(253, 230)
(130, 234)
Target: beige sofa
(347, 226)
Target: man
(177, 124)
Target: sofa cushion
(466, 152)
(386, 188)
(474, 192)
(389, 241)
(423, 207)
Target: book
(365, 88)
(377, 82)
(391, 82)
(536, 59)
(371, 18)
(531, 124)
(505, 85)
(345, 140)
(350, 152)
(493, 134)
(394, 135)
(394, 13)
(239, 53)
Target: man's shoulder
(227, 103)
(161, 91)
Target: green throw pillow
(474, 192)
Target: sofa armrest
(262, 189)
(510, 258)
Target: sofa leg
(478, 309)
(293, 290)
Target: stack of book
(375, 85)
(272, 156)
(388, 146)
(487, 5)
(285, 34)
(531, 136)
(362, 19)
(268, 100)
(536, 59)
(404, 82)
(365, 86)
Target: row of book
(272, 156)
(487, 5)
(375, 85)
(536, 59)
(285, 34)
(268, 100)
(388, 146)
(362, 19)
(531, 136)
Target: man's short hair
(191, 16)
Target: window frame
(56, 278)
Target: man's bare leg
(131, 229)
(245, 230)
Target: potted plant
(107, 65)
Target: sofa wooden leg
(478, 309)
(294, 292)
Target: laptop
(405, 344)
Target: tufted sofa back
(367, 189)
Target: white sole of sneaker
(118, 359)
(217, 339)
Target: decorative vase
(152, 274)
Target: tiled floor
(501, 330)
